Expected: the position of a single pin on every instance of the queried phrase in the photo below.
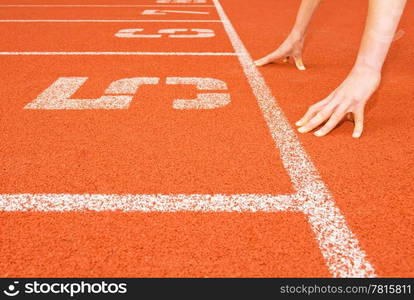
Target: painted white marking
(181, 1)
(171, 33)
(338, 244)
(200, 33)
(147, 203)
(129, 86)
(99, 5)
(109, 21)
(120, 93)
(203, 100)
(159, 12)
(57, 96)
(124, 53)
(132, 33)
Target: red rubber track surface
(151, 148)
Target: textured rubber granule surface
(152, 148)
(371, 178)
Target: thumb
(299, 62)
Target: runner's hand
(349, 98)
(291, 47)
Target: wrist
(366, 74)
(296, 35)
(365, 67)
(369, 63)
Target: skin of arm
(351, 96)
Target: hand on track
(291, 47)
(348, 99)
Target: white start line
(100, 5)
(106, 21)
(124, 53)
(339, 246)
(156, 12)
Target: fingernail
(301, 130)
(298, 123)
(356, 135)
(318, 133)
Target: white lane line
(147, 203)
(124, 53)
(339, 246)
(100, 5)
(107, 21)
(165, 12)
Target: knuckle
(323, 114)
(357, 102)
(332, 122)
(339, 114)
(312, 108)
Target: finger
(317, 120)
(261, 62)
(312, 111)
(268, 59)
(336, 117)
(299, 63)
(359, 123)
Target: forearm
(304, 16)
(382, 22)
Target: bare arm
(381, 25)
(304, 16)
(351, 96)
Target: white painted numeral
(182, 1)
(159, 12)
(132, 33)
(203, 100)
(118, 95)
(200, 33)
(171, 33)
